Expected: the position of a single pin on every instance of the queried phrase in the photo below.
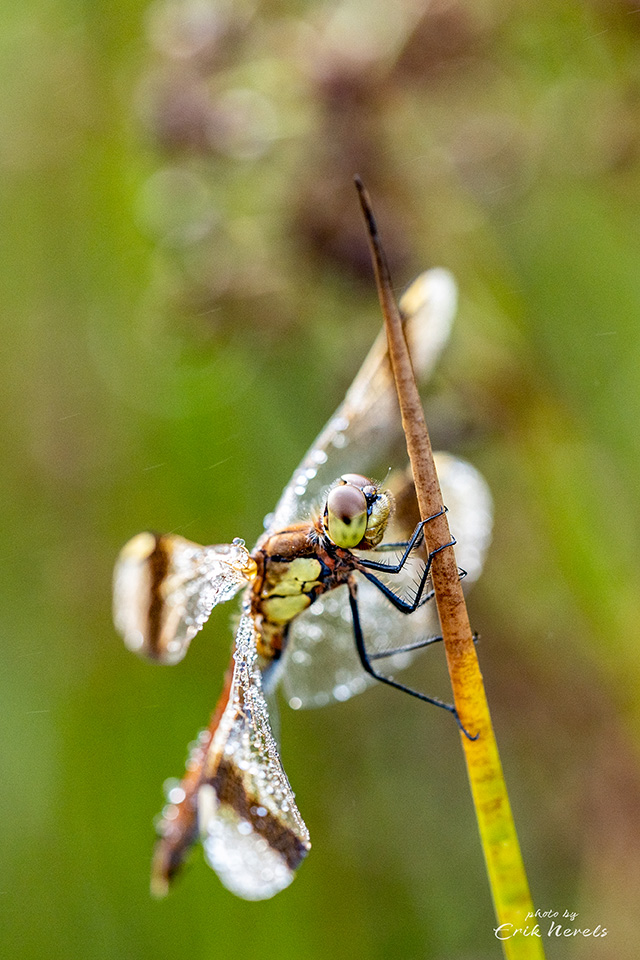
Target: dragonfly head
(356, 512)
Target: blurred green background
(185, 297)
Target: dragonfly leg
(407, 648)
(398, 545)
(408, 547)
(404, 606)
(368, 667)
(402, 545)
(410, 647)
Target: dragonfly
(324, 612)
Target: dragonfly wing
(320, 663)
(251, 829)
(165, 588)
(235, 794)
(365, 430)
(468, 498)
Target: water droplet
(176, 795)
(342, 692)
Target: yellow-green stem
(516, 927)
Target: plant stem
(505, 869)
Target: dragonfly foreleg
(408, 547)
(398, 545)
(405, 606)
(365, 660)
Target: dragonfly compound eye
(346, 516)
(356, 480)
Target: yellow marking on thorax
(287, 588)
(283, 609)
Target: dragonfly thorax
(356, 512)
